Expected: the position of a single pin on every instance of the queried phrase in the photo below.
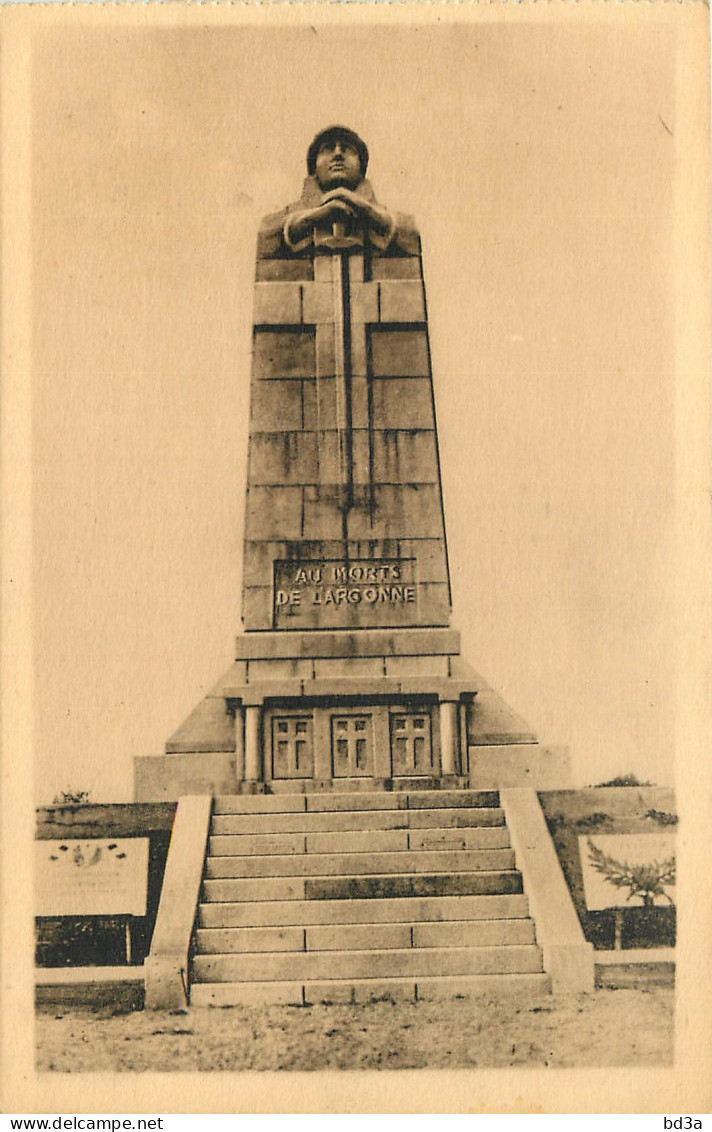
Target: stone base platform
(377, 709)
(161, 778)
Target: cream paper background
(556, 159)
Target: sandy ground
(607, 1027)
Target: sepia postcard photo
(356, 485)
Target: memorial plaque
(92, 878)
(336, 593)
(628, 870)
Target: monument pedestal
(379, 709)
(356, 707)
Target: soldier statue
(338, 207)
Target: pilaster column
(239, 743)
(449, 738)
(253, 743)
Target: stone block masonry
(343, 447)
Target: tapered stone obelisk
(344, 523)
(347, 675)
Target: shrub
(624, 780)
(592, 821)
(71, 798)
(662, 817)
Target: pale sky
(539, 166)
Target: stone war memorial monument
(357, 810)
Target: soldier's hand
(332, 208)
(375, 215)
(300, 225)
(357, 205)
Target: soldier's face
(338, 163)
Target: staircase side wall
(568, 958)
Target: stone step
(408, 909)
(273, 966)
(369, 990)
(400, 784)
(259, 804)
(216, 941)
(365, 937)
(269, 823)
(356, 888)
(448, 799)
(368, 800)
(357, 841)
(357, 864)
(480, 933)
(249, 844)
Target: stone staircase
(411, 894)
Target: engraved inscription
(334, 592)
